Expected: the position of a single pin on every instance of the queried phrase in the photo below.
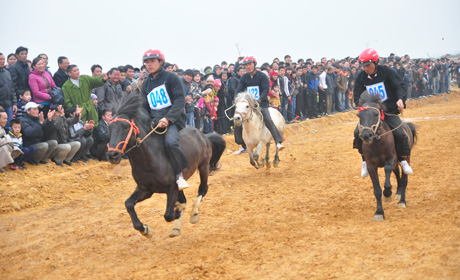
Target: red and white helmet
(217, 83)
(249, 59)
(153, 54)
(368, 56)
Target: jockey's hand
(164, 122)
(400, 104)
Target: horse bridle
(243, 115)
(375, 127)
(133, 128)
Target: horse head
(370, 113)
(123, 129)
(244, 107)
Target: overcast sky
(197, 33)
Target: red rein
(382, 115)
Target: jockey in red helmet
(165, 102)
(257, 82)
(379, 79)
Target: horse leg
(179, 212)
(260, 161)
(378, 215)
(389, 166)
(398, 179)
(267, 156)
(137, 196)
(171, 203)
(251, 158)
(276, 161)
(404, 180)
(202, 191)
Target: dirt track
(311, 218)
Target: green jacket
(82, 96)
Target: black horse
(379, 150)
(151, 168)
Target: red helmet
(249, 59)
(274, 73)
(368, 56)
(153, 54)
(217, 83)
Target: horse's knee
(169, 217)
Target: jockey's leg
(176, 155)
(238, 133)
(358, 144)
(401, 142)
(272, 128)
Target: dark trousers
(174, 151)
(271, 126)
(311, 103)
(99, 151)
(197, 118)
(86, 144)
(401, 140)
(28, 152)
(322, 105)
(238, 133)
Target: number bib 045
(379, 89)
(159, 98)
(254, 91)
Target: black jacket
(259, 79)
(393, 83)
(101, 133)
(20, 76)
(60, 130)
(175, 90)
(33, 131)
(233, 85)
(60, 77)
(7, 95)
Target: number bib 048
(254, 91)
(378, 89)
(159, 98)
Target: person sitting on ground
(81, 132)
(101, 136)
(8, 97)
(16, 136)
(66, 149)
(6, 145)
(33, 131)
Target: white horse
(255, 133)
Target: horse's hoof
(397, 196)
(378, 217)
(194, 218)
(387, 199)
(174, 232)
(275, 164)
(147, 232)
(401, 205)
(268, 165)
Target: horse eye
(247, 106)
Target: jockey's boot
(181, 183)
(364, 171)
(406, 167)
(279, 146)
(240, 151)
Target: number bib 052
(159, 98)
(254, 91)
(378, 88)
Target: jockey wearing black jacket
(165, 103)
(257, 83)
(386, 82)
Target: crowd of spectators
(35, 127)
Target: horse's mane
(131, 107)
(249, 98)
(367, 98)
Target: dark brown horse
(151, 168)
(379, 150)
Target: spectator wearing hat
(20, 71)
(33, 127)
(95, 102)
(41, 83)
(60, 76)
(81, 132)
(77, 91)
(8, 99)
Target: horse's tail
(413, 130)
(218, 147)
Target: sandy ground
(311, 218)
